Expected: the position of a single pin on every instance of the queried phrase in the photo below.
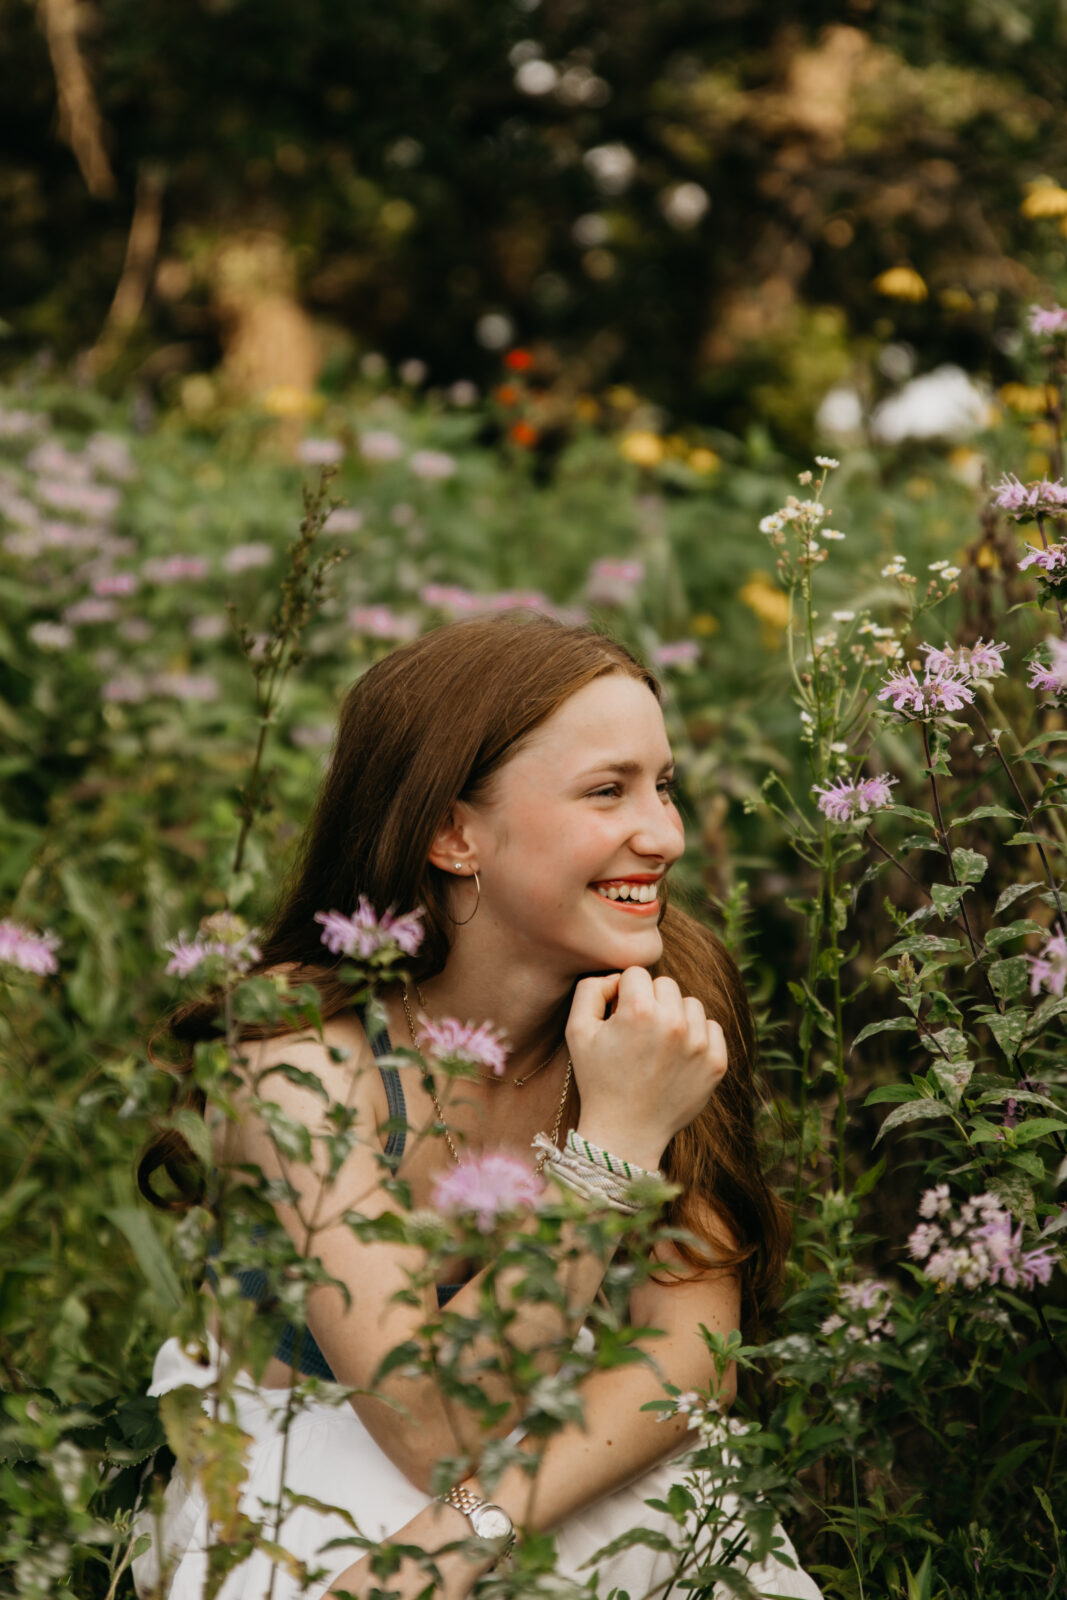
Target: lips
(638, 895)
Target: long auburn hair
(431, 724)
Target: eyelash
(666, 786)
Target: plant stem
(943, 837)
(1028, 815)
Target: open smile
(638, 897)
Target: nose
(658, 830)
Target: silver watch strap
(464, 1500)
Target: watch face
(492, 1523)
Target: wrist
(638, 1149)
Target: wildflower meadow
(864, 661)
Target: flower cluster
(976, 1247)
(866, 1311)
(1048, 968)
(939, 692)
(613, 582)
(30, 952)
(222, 937)
(1052, 561)
(848, 798)
(1047, 319)
(1053, 678)
(486, 1188)
(978, 662)
(706, 1416)
(475, 1046)
(364, 933)
(1045, 497)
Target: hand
(648, 1069)
(429, 1529)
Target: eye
(609, 791)
(668, 787)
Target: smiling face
(577, 833)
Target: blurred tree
(668, 189)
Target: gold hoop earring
(477, 903)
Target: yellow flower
(702, 460)
(987, 557)
(644, 449)
(1030, 399)
(901, 283)
(586, 408)
(1044, 198)
(770, 604)
(703, 624)
(286, 400)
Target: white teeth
(641, 893)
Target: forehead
(615, 718)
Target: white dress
(332, 1459)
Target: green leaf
(1054, 1006)
(1043, 738)
(918, 841)
(969, 865)
(193, 1129)
(869, 1177)
(893, 1092)
(1013, 930)
(953, 1078)
(981, 812)
(1010, 978)
(923, 944)
(1037, 1128)
(947, 896)
(134, 1223)
(914, 1111)
(297, 1075)
(887, 1025)
(1009, 1029)
(1025, 837)
(1013, 893)
(923, 818)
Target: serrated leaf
(887, 1025)
(914, 1111)
(981, 812)
(1009, 1030)
(969, 865)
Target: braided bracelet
(617, 1165)
(606, 1181)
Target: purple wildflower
(450, 597)
(433, 466)
(975, 1247)
(129, 690)
(516, 600)
(244, 556)
(1024, 501)
(1048, 969)
(223, 936)
(941, 689)
(476, 1045)
(488, 1187)
(1051, 561)
(976, 662)
(50, 635)
(612, 582)
(186, 685)
(319, 452)
(1052, 679)
(905, 691)
(90, 499)
(30, 952)
(116, 583)
(381, 622)
(678, 653)
(845, 799)
(1047, 319)
(343, 520)
(364, 933)
(90, 610)
(172, 569)
(378, 444)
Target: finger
(696, 1022)
(635, 986)
(720, 1056)
(592, 996)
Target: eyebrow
(625, 769)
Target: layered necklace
(487, 1078)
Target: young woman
(512, 777)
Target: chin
(642, 951)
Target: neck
(526, 1007)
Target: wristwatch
(490, 1523)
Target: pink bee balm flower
(1048, 969)
(343, 520)
(364, 933)
(845, 799)
(1053, 679)
(433, 466)
(476, 1046)
(378, 444)
(1051, 561)
(1047, 319)
(116, 583)
(319, 452)
(943, 688)
(90, 610)
(172, 569)
(186, 685)
(905, 691)
(381, 622)
(223, 935)
(488, 1187)
(450, 597)
(244, 556)
(30, 952)
(50, 635)
(127, 691)
(612, 582)
(678, 653)
(1024, 501)
(978, 662)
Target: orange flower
(518, 360)
(507, 394)
(524, 434)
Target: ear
(452, 849)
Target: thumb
(592, 996)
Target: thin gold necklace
(440, 1110)
(491, 1077)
